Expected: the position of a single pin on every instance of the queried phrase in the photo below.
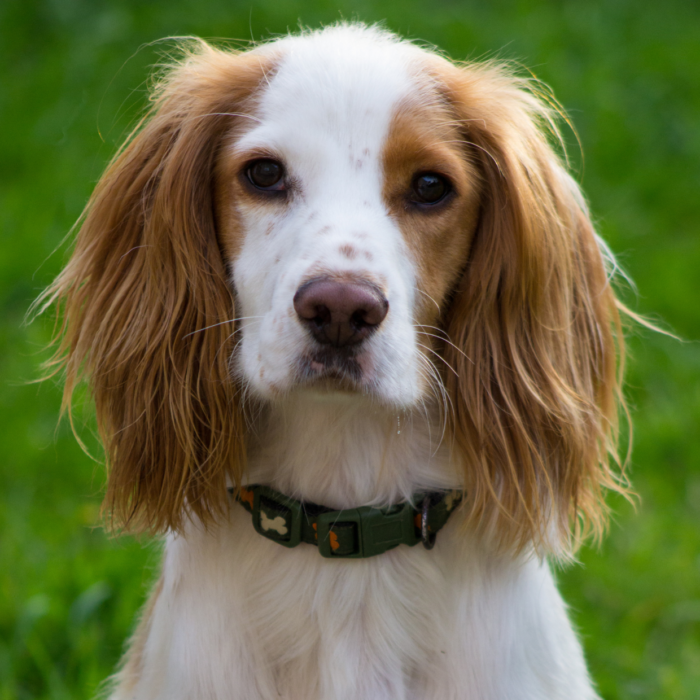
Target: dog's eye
(266, 174)
(429, 188)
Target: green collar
(349, 534)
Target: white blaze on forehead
(326, 112)
(336, 89)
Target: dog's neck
(343, 450)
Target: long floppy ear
(147, 314)
(535, 329)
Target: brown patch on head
(348, 251)
(230, 191)
(424, 139)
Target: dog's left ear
(534, 327)
(147, 310)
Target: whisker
(437, 354)
(443, 398)
(225, 114)
(435, 375)
(435, 328)
(445, 340)
(426, 412)
(429, 297)
(214, 325)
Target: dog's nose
(340, 313)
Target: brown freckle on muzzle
(348, 251)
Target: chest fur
(239, 616)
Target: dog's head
(343, 212)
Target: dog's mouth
(332, 369)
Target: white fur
(326, 113)
(239, 616)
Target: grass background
(72, 78)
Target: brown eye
(266, 174)
(430, 188)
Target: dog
(354, 351)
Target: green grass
(72, 78)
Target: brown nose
(340, 313)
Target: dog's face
(347, 208)
(344, 212)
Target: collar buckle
(365, 531)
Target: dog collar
(357, 533)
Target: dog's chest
(239, 616)
(355, 628)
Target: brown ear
(147, 311)
(536, 329)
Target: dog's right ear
(146, 311)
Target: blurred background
(73, 77)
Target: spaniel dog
(337, 298)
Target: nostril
(364, 318)
(323, 316)
(358, 319)
(374, 313)
(340, 313)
